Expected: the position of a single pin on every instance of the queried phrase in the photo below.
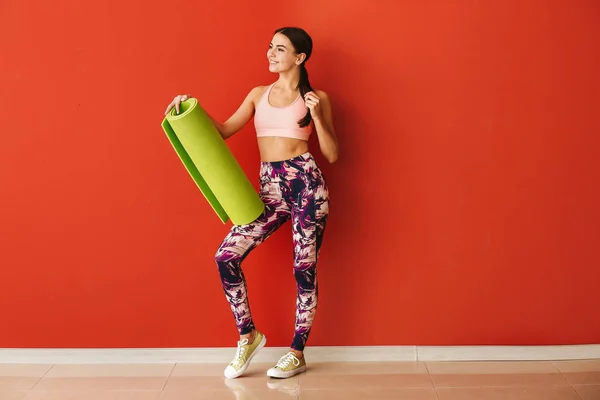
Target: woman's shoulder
(258, 91)
(321, 93)
(260, 88)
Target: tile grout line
(41, 377)
(417, 360)
(166, 381)
(577, 393)
(566, 380)
(432, 383)
(561, 373)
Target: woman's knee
(223, 255)
(229, 265)
(231, 251)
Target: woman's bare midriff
(280, 148)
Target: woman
(292, 187)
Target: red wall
(465, 202)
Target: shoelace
(240, 352)
(285, 360)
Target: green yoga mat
(211, 164)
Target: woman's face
(282, 55)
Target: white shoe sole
(245, 366)
(276, 373)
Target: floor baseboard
(314, 354)
(508, 353)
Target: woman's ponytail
(302, 43)
(304, 86)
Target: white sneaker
(244, 354)
(287, 366)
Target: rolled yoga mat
(211, 164)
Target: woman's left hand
(312, 102)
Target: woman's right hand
(176, 102)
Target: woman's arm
(239, 118)
(320, 106)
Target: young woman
(292, 187)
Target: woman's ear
(301, 58)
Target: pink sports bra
(280, 121)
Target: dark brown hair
(302, 43)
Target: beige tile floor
(576, 380)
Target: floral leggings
(292, 189)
